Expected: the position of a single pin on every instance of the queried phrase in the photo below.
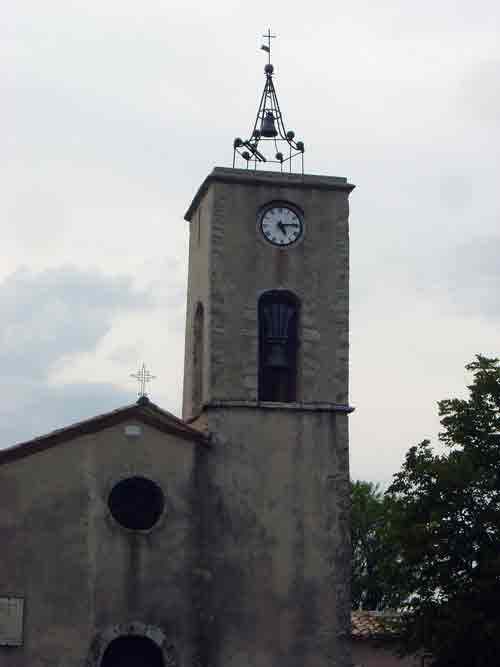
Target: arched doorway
(132, 651)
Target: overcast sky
(114, 112)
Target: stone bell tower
(266, 372)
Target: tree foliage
(444, 513)
(375, 584)
(367, 510)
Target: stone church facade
(220, 539)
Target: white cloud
(52, 315)
(31, 409)
(49, 319)
(113, 117)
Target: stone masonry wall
(242, 266)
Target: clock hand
(281, 226)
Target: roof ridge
(145, 411)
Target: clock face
(281, 225)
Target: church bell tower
(266, 374)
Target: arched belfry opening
(278, 345)
(132, 651)
(198, 332)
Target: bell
(277, 357)
(268, 128)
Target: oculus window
(136, 503)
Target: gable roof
(143, 411)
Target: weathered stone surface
(249, 564)
(276, 533)
(276, 538)
(80, 572)
(233, 265)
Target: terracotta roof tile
(372, 624)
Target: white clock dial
(281, 225)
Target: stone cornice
(250, 177)
(297, 407)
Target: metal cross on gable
(143, 376)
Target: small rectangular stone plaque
(11, 621)
(133, 431)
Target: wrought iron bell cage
(269, 127)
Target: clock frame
(281, 224)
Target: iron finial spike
(267, 47)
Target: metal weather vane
(267, 47)
(143, 376)
(269, 127)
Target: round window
(136, 503)
(132, 651)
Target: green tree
(375, 582)
(445, 519)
